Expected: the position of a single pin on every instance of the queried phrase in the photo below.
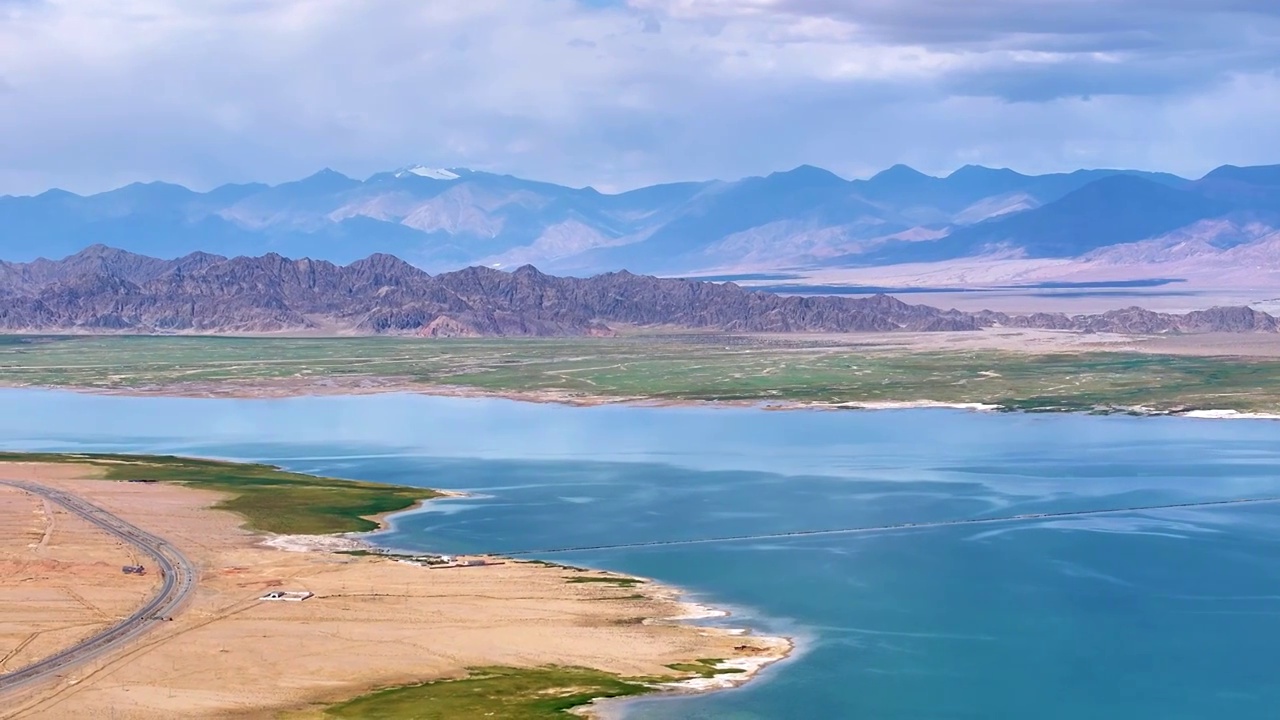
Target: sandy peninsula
(372, 621)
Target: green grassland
(622, 582)
(497, 693)
(270, 499)
(507, 693)
(707, 667)
(665, 368)
(510, 693)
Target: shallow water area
(1168, 613)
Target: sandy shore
(1229, 415)
(372, 622)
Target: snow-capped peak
(426, 172)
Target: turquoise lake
(1166, 614)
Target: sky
(622, 93)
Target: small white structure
(287, 596)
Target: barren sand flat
(1258, 345)
(373, 621)
(1036, 341)
(1014, 284)
(60, 579)
(998, 339)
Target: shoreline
(662, 654)
(383, 520)
(280, 391)
(737, 671)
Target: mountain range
(803, 218)
(103, 289)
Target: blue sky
(621, 93)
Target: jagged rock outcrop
(1139, 321)
(107, 290)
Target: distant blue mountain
(1109, 211)
(442, 219)
(1256, 187)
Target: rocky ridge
(102, 289)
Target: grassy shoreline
(502, 693)
(506, 693)
(270, 499)
(671, 370)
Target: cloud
(991, 23)
(1031, 50)
(618, 93)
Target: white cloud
(95, 93)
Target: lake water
(1164, 614)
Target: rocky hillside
(107, 290)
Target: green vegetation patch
(616, 581)
(494, 693)
(704, 668)
(562, 566)
(270, 499)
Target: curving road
(178, 579)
